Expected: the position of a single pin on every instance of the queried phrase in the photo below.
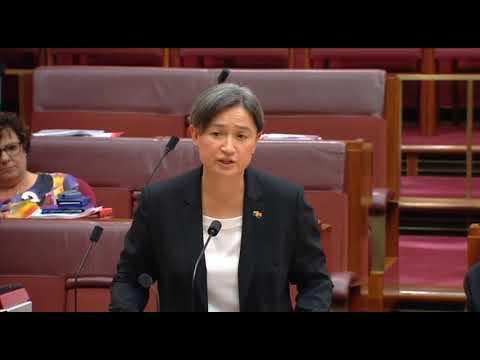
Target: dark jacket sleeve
(309, 268)
(135, 259)
(472, 288)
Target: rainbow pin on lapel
(257, 214)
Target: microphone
(146, 281)
(169, 147)
(94, 237)
(212, 231)
(223, 76)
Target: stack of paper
(87, 212)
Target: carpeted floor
(437, 186)
(446, 135)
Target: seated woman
(23, 192)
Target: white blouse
(221, 259)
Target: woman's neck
(20, 186)
(222, 197)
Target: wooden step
(439, 204)
(417, 293)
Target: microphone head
(223, 76)
(145, 280)
(96, 233)
(171, 144)
(214, 228)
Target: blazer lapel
(193, 238)
(253, 230)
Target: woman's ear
(193, 133)
(257, 138)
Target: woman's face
(226, 146)
(13, 159)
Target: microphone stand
(94, 237)
(92, 244)
(195, 272)
(212, 231)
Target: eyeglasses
(11, 149)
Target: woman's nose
(4, 157)
(227, 146)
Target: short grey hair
(218, 98)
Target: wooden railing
(469, 78)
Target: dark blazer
(472, 288)
(281, 246)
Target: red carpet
(431, 260)
(444, 136)
(437, 186)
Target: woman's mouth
(226, 162)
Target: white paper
(286, 137)
(38, 214)
(72, 132)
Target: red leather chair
(392, 60)
(137, 101)
(114, 168)
(44, 255)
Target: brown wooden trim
(412, 164)
(438, 149)
(473, 245)
(358, 209)
(19, 72)
(43, 58)
(392, 116)
(367, 180)
(177, 62)
(50, 58)
(166, 57)
(428, 113)
(375, 291)
(291, 58)
(438, 77)
(307, 61)
(469, 139)
(439, 204)
(424, 293)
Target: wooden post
(428, 106)
(469, 140)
